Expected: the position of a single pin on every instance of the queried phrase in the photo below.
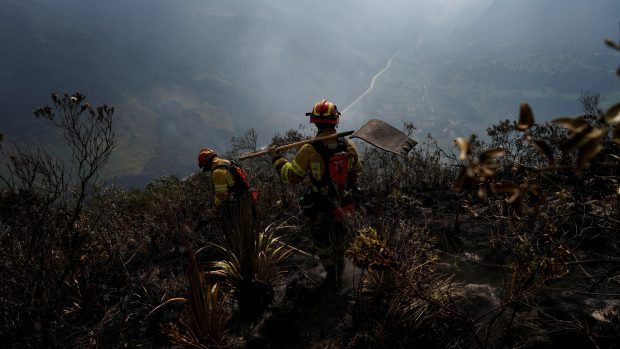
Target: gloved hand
(275, 155)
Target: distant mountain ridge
(182, 75)
(545, 22)
(544, 52)
(187, 74)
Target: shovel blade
(385, 136)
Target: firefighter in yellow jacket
(333, 167)
(231, 189)
(223, 180)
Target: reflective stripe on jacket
(308, 160)
(222, 180)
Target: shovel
(385, 136)
(375, 132)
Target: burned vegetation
(510, 241)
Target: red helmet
(324, 112)
(205, 157)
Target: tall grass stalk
(250, 267)
(204, 323)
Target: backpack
(242, 185)
(335, 179)
(336, 174)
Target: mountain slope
(181, 75)
(545, 53)
(189, 74)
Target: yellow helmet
(324, 112)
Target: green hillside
(535, 51)
(182, 76)
(195, 73)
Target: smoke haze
(183, 75)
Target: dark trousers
(328, 236)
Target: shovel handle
(296, 145)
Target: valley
(185, 76)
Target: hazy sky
(187, 74)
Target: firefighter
(234, 201)
(222, 178)
(333, 167)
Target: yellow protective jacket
(222, 181)
(308, 160)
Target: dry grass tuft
(251, 266)
(204, 322)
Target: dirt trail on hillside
(376, 76)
